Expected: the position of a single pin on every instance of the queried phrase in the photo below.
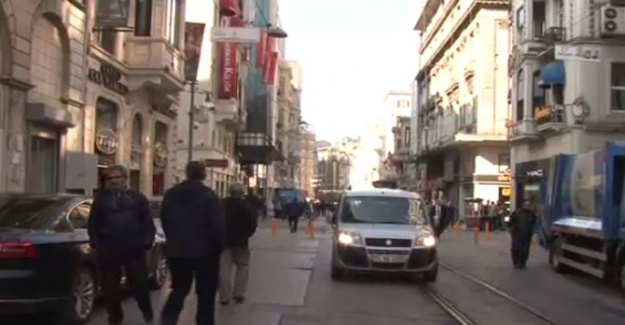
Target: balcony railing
(157, 61)
(548, 117)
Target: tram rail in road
(465, 320)
(455, 313)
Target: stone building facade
(73, 101)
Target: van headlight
(425, 241)
(349, 238)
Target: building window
(538, 18)
(107, 40)
(143, 17)
(173, 22)
(520, 96)
(43, 163)
(407, 136)
(617, 86)
(538, 93)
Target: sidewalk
(280, 272)
(570, 299)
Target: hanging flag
(269, 71)
(260, 50)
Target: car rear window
(27, 213)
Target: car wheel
(81, 304)
(160, 272)
(555, 256)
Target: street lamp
(193, 84)
(276, 32)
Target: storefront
(106, 142)
(531, 180)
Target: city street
(290, 285)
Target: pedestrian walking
(277, 207)
(121, 231)
(294, 212)
(193, 222)
(240, 224)
(522, 223)
(439, 217)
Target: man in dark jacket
(439, 216)
(241, 224)
(293, 211)
(121, 230)
(522, 222)
(193, 222)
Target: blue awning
(552, 74)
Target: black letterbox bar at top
(216, 163)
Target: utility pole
(192, 83)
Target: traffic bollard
(275, 226)
(311, 229)
(476, 236)
(488, 234)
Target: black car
(46, 264)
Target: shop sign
(107, 142)
(109, 77)
(160, 155)
(216, 163)
(503, 178)
(506, 191)
(534, 173)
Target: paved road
(567, 299)
(290, 285)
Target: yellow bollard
(488, 233)
(311, 229)
(476, 236)
(457, 229)
(275, 227)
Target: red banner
(268, 48)
(269, 73)
(228, 70)
(229, 7)
(260, 50)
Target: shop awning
(552, 74)
(229, 7)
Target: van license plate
(388, 258)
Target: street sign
(216, 163)
(235, 34)
(585, 53)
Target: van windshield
(384, 210)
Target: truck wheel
(555, 256)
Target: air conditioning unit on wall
(612, 21)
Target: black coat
(193, 221)
(444, 220)
(240, 223)
(121, 223)
(522, 222)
